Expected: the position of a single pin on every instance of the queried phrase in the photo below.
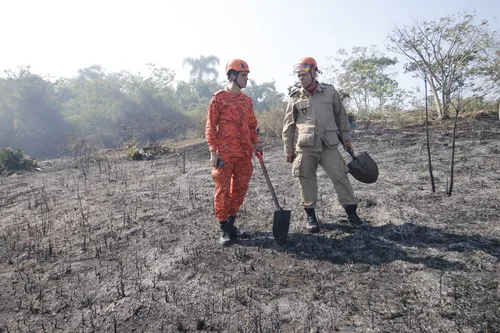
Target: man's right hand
(290, 157)
(214, 157)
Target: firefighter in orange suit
(231, 136)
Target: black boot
(352, 216)
(312, 222)
(233, 230)
(225, 236)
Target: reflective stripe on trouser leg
(335, 167)
(243, 170)
(304, 167)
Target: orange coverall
(231, 131)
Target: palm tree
(201, 66)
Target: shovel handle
(349, 150)
(268, 180)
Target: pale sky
(58, 37)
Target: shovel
(281, 222)
(362, 167)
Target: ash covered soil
(104, 244)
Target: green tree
(362, 75)
(193, 97)
(150, 111)
(91, 102)
(264, 96)
(202, 66)
(117, 107)
(444, 52)
(30, 115)
(488, 67)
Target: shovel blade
(281, 224)
(364, 168)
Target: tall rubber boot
(225, 234)
(312, 221)
(233, 230)
(352, 216)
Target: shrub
(271, 121)
(16, 160)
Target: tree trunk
(445, 108)
(437, 102)
(357, 101)
(366, 101)
(433, 186)
(457, 109)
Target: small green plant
(147, 153)
(15, 160)
(133, 151)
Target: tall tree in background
(264, 95)
(445, 51)
(117, 107)
(30, 115)
(488, 68)
(193, 97)
(202, 66)
(91, 100)
(363, 76)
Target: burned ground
(111, 245)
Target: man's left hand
(348, 146)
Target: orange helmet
(306, 64)
(237, 65)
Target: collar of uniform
(319, 87)
(233, 93)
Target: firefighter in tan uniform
(317, 114)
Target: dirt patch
(123, 246)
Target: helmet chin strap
(236, 80)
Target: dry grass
(122, 246)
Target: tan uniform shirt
(317, 119)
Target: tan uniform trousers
(305, 166)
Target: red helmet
(306, 64)
(237, 65)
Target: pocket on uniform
(304, 109)
(305, 166)
(346, 168)
(331, 137)
(303, 104)
(306, 137)
(296, 165)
